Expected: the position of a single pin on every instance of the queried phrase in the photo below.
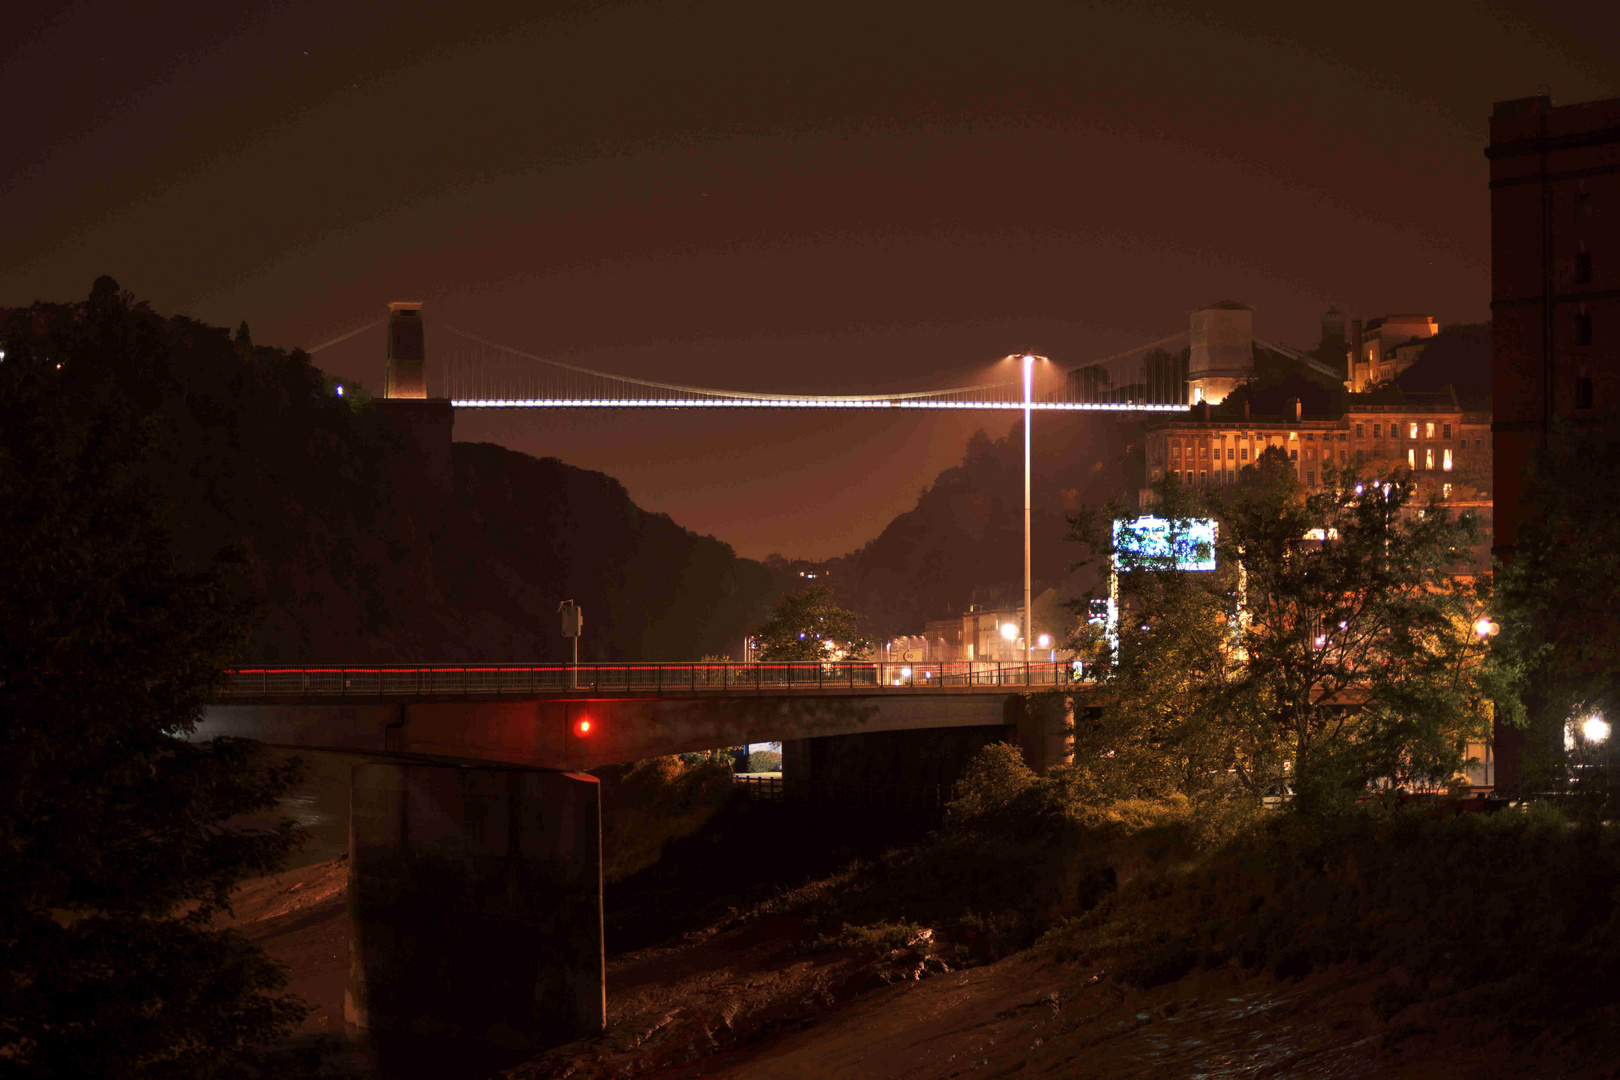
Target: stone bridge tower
(407, 351)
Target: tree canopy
(809, 626)
(116, 850)
(1333, 643)
(1560, 606)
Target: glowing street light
(1029, 395)
(1009, 631)
(1595, 729)
(1484, 628)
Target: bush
(764, 761)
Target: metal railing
(762, 788)
(497, 680)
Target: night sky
(828, 197)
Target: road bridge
(576, 717)
(475, 833)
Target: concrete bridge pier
(475, 907)
(1045, 726)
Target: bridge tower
(407, 351)
(1221, 353)
(425, 422)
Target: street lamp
(1029, 393)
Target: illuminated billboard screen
(1148, 543)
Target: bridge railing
(498, 680)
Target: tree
(1333, 643)
(1560, 590)
(116, 850)
(808, 626)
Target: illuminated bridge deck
(461, 682)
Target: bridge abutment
(475, 907)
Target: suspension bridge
(476, 372)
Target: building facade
(1555, 277)
(1384, 347)
(1555, 294)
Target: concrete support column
(475, 907)
(1045, 725)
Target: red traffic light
(583, 727)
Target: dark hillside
(965, 535)
(353, 556)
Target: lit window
(1447, 463)
(1411, 458)
(1411, 430)
(1445, 491)
(1428, 459)
(1428, 430)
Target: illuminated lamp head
(1009, 631)
(582, 727)
(1044, 641)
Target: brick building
(1555, 292)
(1555, 277)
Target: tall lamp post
(1029, 388)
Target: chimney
(1297, 410)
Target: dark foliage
(1561, 589)
(115, 851)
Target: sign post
(573, 618)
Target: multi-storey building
(1555, 277)
(1555, 293)
(1432, 436)
(1383, 348)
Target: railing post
(759, 675)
